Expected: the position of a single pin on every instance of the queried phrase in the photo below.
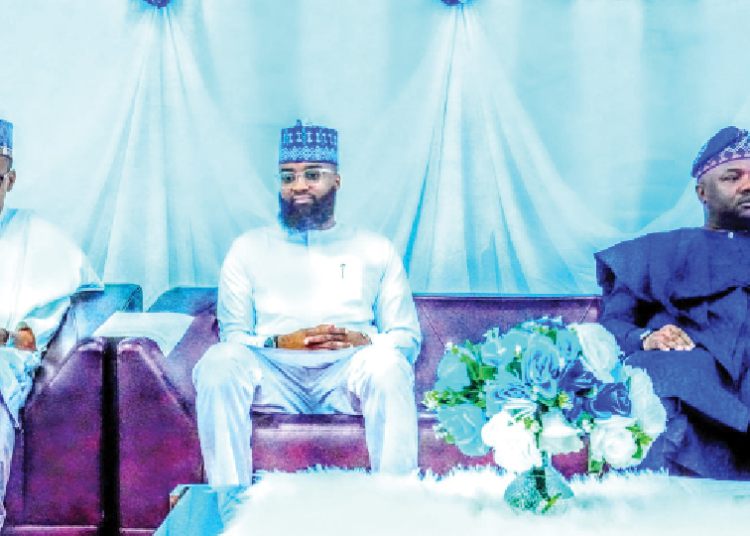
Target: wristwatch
(271, 342)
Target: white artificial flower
(648, 411)
(586, 425)
(600, 350)
(613, 443)
(430, 403)
(558, 436)
(514, 446)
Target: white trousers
(228, 374)
(7, 440)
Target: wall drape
(499, 144)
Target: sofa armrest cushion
(88, 310)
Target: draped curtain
(499, 143)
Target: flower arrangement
(538, 389)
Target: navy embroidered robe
(698, 280)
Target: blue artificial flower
(464, 422)
(504, 388)
(568, 345)
(552, 323)
(540, 365)
(496, 355)
(514, 341)
(574, 412)
(452, 373)
(611, 399)
(576, 378)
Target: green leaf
(551, 503)
(514, 367)
(486, 372)
(472, 367)
(552, 334)
(642, 440)
(595, 466)
(528, 422)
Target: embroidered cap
(730, 143)
(309, 143)
(6, 139)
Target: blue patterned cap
(309, 143)
(730, 143)
(6, 139)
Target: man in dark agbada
(678, 304)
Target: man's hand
(24, 339)
(668, 338)
(323, 337)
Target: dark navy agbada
(697, 280)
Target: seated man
(315, 317)
(39, 269)
(678, 304)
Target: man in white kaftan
(315, 317)
(39, 269)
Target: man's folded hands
(322, 337)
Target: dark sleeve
(624, 314)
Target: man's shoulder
(371, 243)
(16, 216)
(23, 218)
(656, 243)
(255, 232)
(652, 260)
(260, 233)
(366, 235)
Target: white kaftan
(39, 269)
(274, 282)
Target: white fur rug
(470, 502)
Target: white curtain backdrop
(499, 144)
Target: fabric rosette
(612, 442)
(452, 373)
(514, 445)
(514, 342)
(558, 435)
(568, 346)
(637, 418)
(507, 392)
(540, 366)
(600, 352)
(464, 423)
(611, 399)
(497, 353)
(647, 409)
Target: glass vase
(541, 490)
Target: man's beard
(308, 216)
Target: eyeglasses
(311, 176)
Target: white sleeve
(235, 309)
(45, 321)
(395, 313)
